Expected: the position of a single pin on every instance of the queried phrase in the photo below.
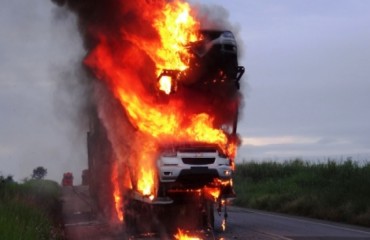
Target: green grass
(331, 191)
(19, 221)
(30, 210)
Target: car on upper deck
(213, 62)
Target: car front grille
(198, 161)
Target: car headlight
(227, 172)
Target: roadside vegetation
(330, 191)
(30, 210)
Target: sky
(306, 88)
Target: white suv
(193, 165)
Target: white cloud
(264, 141)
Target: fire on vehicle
(162, 133)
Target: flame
(180, 235)
(146, 182)
(223, 225)
(231, 152)
(117, 194)
(144, 165)
(214, 192)
(165, 84)
(177, 28)
(167, 122)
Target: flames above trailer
(130, 68)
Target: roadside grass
(330, 191)
(30, 210)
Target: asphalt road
(82, 222)
(81, 218)
(251, 224)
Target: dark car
(215, 42)
(214, 60)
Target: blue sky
(306, 88)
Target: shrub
(334, 191)
(30, 210)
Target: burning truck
(189, 175)
(163, 130)
(193, 175)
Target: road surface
(83, 222)
(81, 218)
(252, 224)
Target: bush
(19, 221)
(333, 191)
(30, 210)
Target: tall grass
(30, 210)
(19, 221)
(331, 190)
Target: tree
(8, 179)
(39, 173)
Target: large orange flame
(177, 28)
(145, 168)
